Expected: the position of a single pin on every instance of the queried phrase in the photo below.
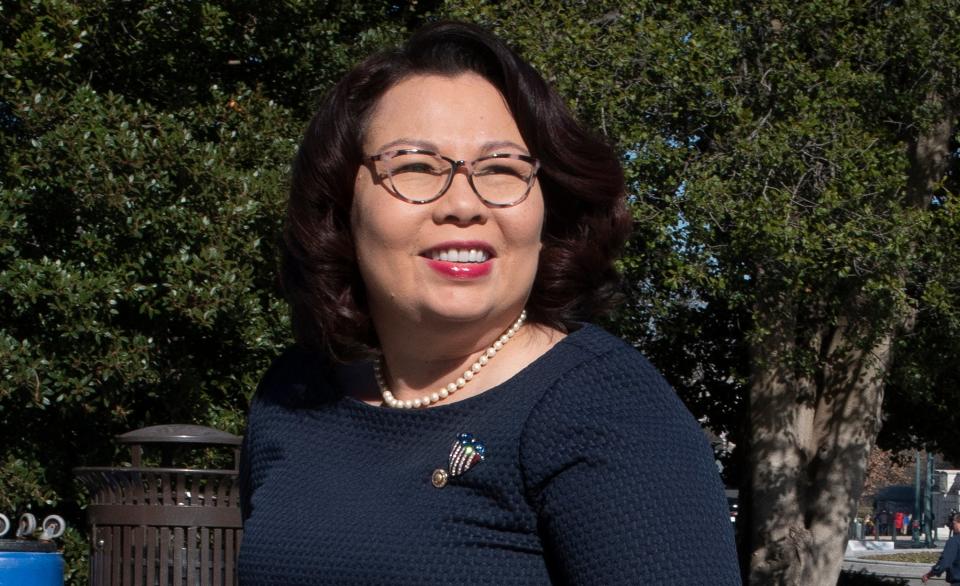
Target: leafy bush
(144, 154)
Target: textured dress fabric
(949, 561)
(594, 473)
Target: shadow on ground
(864, 578)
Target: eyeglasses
(419, 176)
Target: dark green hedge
(144, 154)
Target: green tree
(792, 170)
(144, 152)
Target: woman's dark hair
(581, 179)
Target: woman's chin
(469, 313)
(466, 315)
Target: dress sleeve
(948, 557)
(244, 476)
(250, 456)
(624, 481)
(291, 382)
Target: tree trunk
(812, 429)
(811, 435)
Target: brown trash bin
(165, 526)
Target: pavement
(858, 558)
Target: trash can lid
(179, 434)
(28, 545)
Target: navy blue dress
(593, 472)
(949, 561)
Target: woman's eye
(427, 167)
(499, 170)
(416, 168)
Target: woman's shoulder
(611, 436)
(611, 392)
(296, 378)
(610, 369)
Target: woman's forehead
(441, 113)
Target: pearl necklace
(453, 386)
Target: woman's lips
(460, 259)
(460, 254)
(460, 270)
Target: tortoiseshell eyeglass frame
(454, 166)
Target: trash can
(37, 563)
(165, 525)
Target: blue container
(30, 563)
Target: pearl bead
(451, 387)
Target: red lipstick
(454, 269)
(460, 270)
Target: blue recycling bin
(27, 562)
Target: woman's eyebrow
(486, 147)
(499, 144)
(411, 142)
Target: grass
(918, 557)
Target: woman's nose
(460, 204)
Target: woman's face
(399, 244)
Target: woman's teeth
(455, 255)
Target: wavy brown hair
(581, 179)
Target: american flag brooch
(465, 452)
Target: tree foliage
(792, 170)
(144, 152)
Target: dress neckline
(545, 360)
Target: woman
(445, 418)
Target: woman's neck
(420, 359)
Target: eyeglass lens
(423, 176)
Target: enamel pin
(464, 453)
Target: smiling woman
(448, 417)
